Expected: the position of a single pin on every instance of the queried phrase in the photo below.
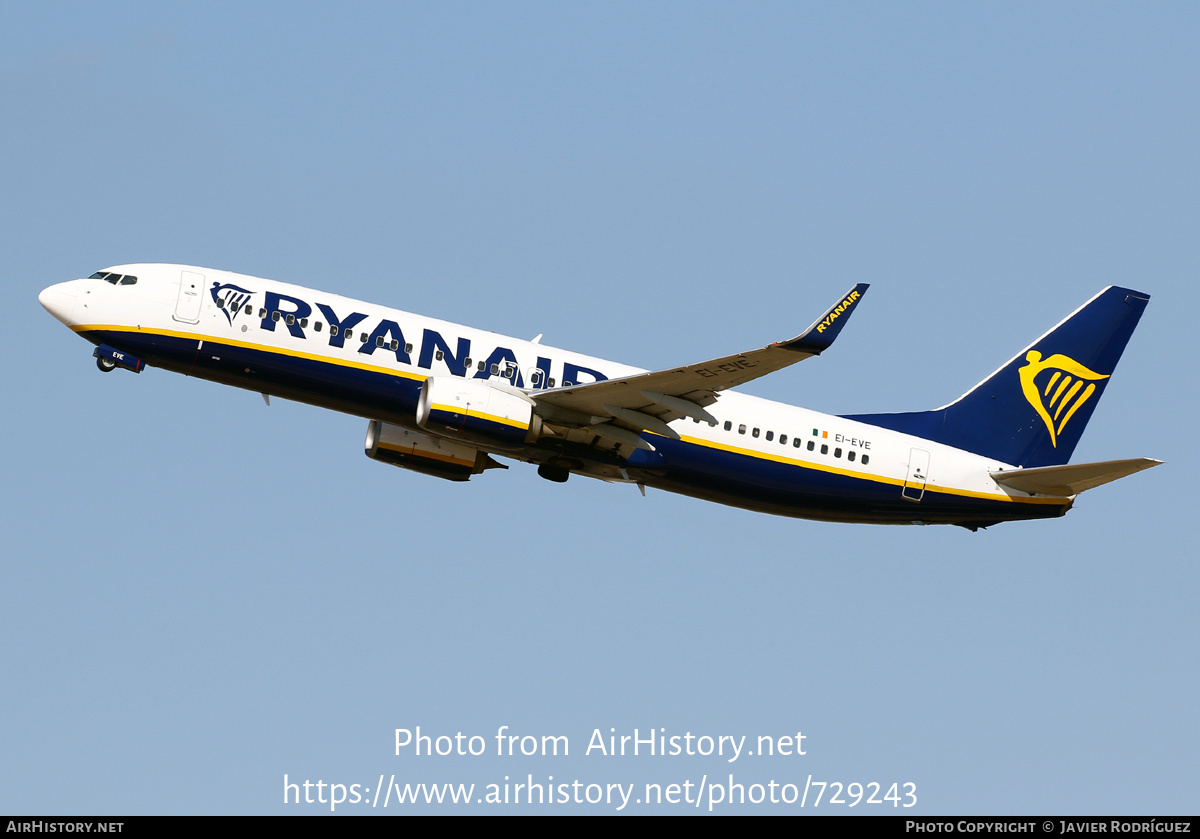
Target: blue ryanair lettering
(571, 374)
(296, 307)
(388, 330)
(351, 321)
(543, 382)
(502, 356)
(456, 363)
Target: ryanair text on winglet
(838, 310)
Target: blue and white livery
(444, 399)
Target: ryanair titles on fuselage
(387, 336)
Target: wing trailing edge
(646, 401)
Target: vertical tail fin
(1032, 411)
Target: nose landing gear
(109, 359)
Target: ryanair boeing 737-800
(442, 399)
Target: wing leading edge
(620, 409)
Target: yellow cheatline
(477, 414)
(411, 450)
(195, 336)
(515, 424)
(879, 479)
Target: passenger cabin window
(742, 428)
(728, 425)
(837, 452)
(317, 326)
(796, 443)
(850, 455)
(811, 445)
(770, 436)
(783, 439)
(866, 459)
(824, 449)
(333, 330)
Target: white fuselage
(279, 339)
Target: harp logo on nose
(1065, 388)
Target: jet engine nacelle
(473, 409)
(410, 449)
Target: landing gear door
(918, 474)
(187, 306)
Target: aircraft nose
(59, 300)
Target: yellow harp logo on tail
(1064, 389)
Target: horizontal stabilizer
(1072, 479)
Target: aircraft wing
(647, 401)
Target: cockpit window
(109, 277)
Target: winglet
(818, 337)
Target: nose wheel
(106, 365)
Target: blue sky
(201, 594)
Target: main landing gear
(106, 365)
(554, 473)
